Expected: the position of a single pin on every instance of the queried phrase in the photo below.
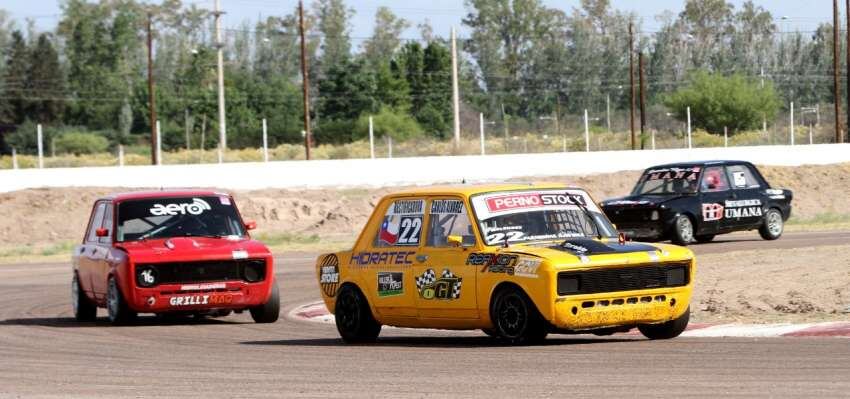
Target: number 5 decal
(410, 229)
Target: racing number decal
(410, 229)
(500, 237)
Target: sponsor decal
(401, 230)
(532, 200)
(739, 179)
(446, 206)
(712, 212)
(774, 193)
(578, 249)
(627, 202)
(240, 254)
(382, 258)
(527, 267)
(407, 207)
(196, 207)
(329, 275)
(689, 174)
(203, 287)
(194, 300)
(390, 284)
(446, 287)
(224, 200)
(493, 263)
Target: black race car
(694, 201)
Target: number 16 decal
(410, 229)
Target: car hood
(640, 201)
(178, 249)
(585, 252)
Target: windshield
(667, 181)
(213, 216)
(540, 215)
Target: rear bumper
(199, 296)
(614, 309)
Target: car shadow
(70, 322)
(436, 342)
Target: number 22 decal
(500, 237)
(410, 229)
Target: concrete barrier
(405, 171)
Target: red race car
(171, 253)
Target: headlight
(254, 271)
(569, 284)
(147, 276)
(677, 276)
(654, 216)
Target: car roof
(699, 163)
(472, 189)
(136, 195)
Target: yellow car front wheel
(516, 320)
(670, 329)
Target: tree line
(519, 60)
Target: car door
(99, 259)
(714, 191)
(445, 285)
(746, 207)
(391, 255)
(87, 251)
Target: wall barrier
(405, 171)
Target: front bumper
(199, 296)
(615, 309)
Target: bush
(397, 124)
(716, 101)
(78, 143)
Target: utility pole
(836, 90)
(847, 10)
(455, 90)
(308, 136)
(632, 84)
(151, 101)
(505, 125)
(642, 100)
(222, 120)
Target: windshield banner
(494, 204)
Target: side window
(713, 180)
(742, 177)
(402, 224)
(448, 217)
(95, 222)
(107, 224)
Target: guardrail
(405, 171)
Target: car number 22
(410, 229)
(500, 237)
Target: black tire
(704, 238)
(683, 230)
(490, 332)
(516, 320)
(116, 306)
(268, 312)
(354, 319)
(84, 309)
(773, 225)
(670, 329)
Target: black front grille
(628, 215)
(199, 272)
(623, 279)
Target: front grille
(623, 279)
(251, 270)
(626, 215)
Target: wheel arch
(349, 283)
(505, 285)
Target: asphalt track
(44, 352)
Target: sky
(442, 14)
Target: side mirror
(251, 225)
(101, 232)
(455, 241)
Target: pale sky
(443, 14)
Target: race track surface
(44, 352)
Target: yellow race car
(517, 261)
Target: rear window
(210, 216)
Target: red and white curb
(316, 312)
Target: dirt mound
(43, 216)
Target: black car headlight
(147, 276)
(569, 284)
(677, 276)
(254, 271)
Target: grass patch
(60, 251)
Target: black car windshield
(212, 216)
(668, 181)
(540, 215)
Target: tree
(389, 122)
(15, 80)
(334, 26)
(718, 101)
(347, 91)
(386, 37)
(46, 83)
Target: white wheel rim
(75, 295)
(112, 300)
(686, 230)
(774, 223)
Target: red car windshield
(213, 216)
